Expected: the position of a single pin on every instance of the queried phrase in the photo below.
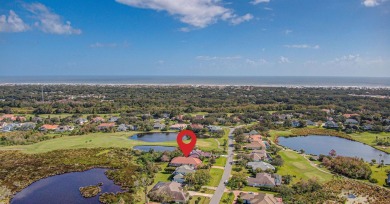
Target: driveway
(226, 174)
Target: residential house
(179, 178)
(260, 198)
(37, 120)
(255, 138)
(258, 155)
(213, 128)
(122, 128)
(81, 121)
(184, 169)
(10, 127)
(2, 124)
(256, 145)
(171, 190)
(350, 115)
(260, 165)
(64, 128)
(367, 127)
(295, 124)
(199, 117)
(48, 127)
(97, 119)
(253, 132)
(199, 153)
(190, 161)
(196, 127)
(351, 122)
(178, 126)
(310, 123)
(265, 180)
(113, 119)
(331, 124)
(7, 117)
(105, 126)
(166, 115)
(27, 126)
(158, 126)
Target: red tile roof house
(255, 138)
(196, 126)
(97, 119)
(105, 126)
(190, 161)
(47, 127)
(178, 127)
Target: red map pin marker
(186, 148)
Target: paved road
(226, 174)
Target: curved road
(226, 174)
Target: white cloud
(372, 3)
(287, 31)
(284, 60)
(102, 45)
(346, 59)
(197, 13)
(253, 62)
(255, 2)
(210, 58)
(12, 23)
(303, 46)
(238, 20)
(50, 22)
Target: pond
(314, 144)
(146, 148)
(155, 137)
(64, 188)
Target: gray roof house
(172, 192)
(260, 198)
(179, 178)
(184, 169)
(27, 126)
(253, 132)
(265, 180)
(80, 121)
(260, 165)
(113, 119)
(213, 128)
(331, 124)
(310, 123)
(351, 122)
(122, 128)
(258, 155)
(158, 126)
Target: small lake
(64, 188)
(156, 137)
(314, 144)
(146, 148)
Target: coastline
(195, 85)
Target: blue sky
(195, 37)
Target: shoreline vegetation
(90, 191)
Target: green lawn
(379, 174)
(221, 161)
(226, 198)
(93, 140)
(203, 200)
(216, 175)
(369, 139)
(296, 164)
(275, 133)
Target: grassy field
(277, 133)
(379, 174)
(221, 161)
(227, 198)
(93, 140)
(203, 200)
(216, 175)
(369, 139)
(296, 165)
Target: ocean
(274, 81)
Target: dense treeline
(187, 99)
